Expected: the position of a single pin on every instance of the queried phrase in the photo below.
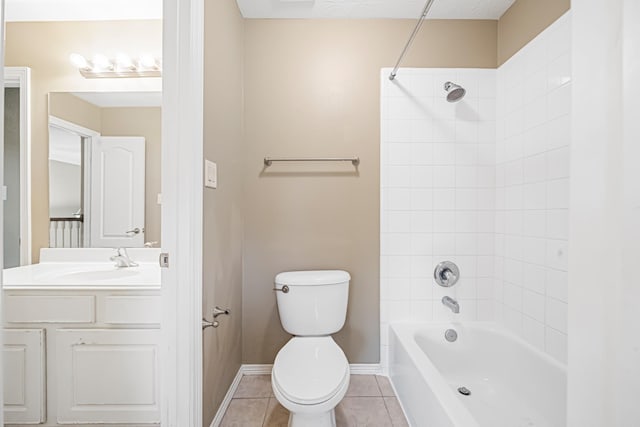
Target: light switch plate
(210, 174)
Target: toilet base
(324, 419)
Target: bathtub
(512, 384)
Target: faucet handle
(446, 274)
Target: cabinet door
(107, 376)
(24, 376)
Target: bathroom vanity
(81, 339)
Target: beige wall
(223, 207)
(68, 107)
(45, 47)
(145, 122)
(524, 20)
(312, 89)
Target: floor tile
(254, 386)
(385, 385)
(362, 411)
(395, 412)
(245, 413)
(363, 386)
(277, 415)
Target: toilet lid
(310, 370)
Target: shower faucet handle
(446, 274)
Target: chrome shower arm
(424, 14)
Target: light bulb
(79, 61)
(124, 62)
(147, 62)
(101, 62)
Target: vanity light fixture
(122, 66)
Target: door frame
(182, 224)
(89, 137)
(20, 77)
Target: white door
(117, 192)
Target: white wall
(532, 192)
(604, 286)
(438, 194)
(65, 189)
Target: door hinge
(164, 260)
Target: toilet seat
(310, 370)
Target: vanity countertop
(85, 269)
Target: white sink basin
(82, 275)
(86, 274)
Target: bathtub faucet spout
(452, 304)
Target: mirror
(104, 169)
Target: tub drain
(464, 391)
(450, 335)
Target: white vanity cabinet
(82, 357)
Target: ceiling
(96, 10)
(357, 9)
(82, 10)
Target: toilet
(310, 375)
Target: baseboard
(356, 369)
(365, 368)
(227, 399)
(257, 369)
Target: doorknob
(134, 231)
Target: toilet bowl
(310, 377)
(310, 374)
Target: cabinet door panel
(108, 376)
(24, 381)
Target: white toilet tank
(315, 302)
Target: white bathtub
(512, 383)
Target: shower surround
(484, 183)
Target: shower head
(454, 92)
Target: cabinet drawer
(49, 309)
(139, 310)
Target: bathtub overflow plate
(464, 391)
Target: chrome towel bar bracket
(268, 161)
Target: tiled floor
(370, 402)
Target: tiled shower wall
(483, 183)
(438, 194)
(532, 192)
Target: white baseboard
(356, 369)
(227, 399)
(365, 369)
(257, 369)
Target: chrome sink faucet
(122, 259)
(452, 304)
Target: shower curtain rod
(425, 11)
